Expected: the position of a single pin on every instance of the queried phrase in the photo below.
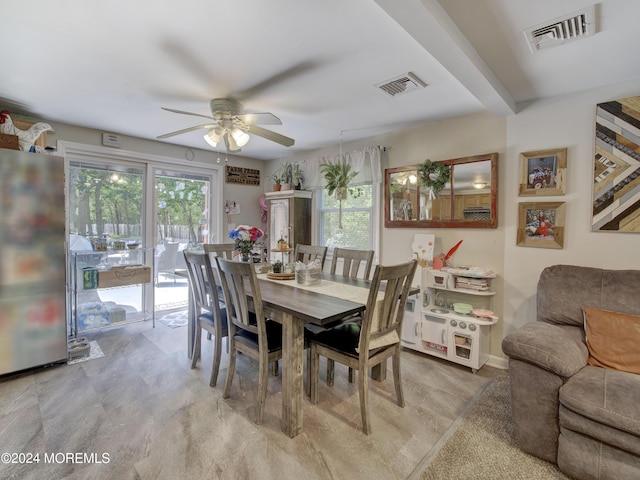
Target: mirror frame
(491, 222)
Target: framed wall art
(541, 224)
(616, 170)
(543, 172)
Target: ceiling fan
(232, 126)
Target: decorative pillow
(613, 339)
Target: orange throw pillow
(613, 339)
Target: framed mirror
(468, 200)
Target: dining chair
(249, 332)
(224, 250)
(362, 346)
(309, 253)
(352, 261)
(209, 314)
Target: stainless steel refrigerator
(33, 328)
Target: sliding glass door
(116, 198)
(182, 202)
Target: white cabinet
(290, 218)
(439, 330)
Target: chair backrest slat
(224, 250)
(242, 295)
(389, 313)
(203, 281)
(309, 253)
(353, 261)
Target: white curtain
(366, 162)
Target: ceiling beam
(428, 23)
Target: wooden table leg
(292, 365)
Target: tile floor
(140, 412)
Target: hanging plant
(338, 175)
(434, 175)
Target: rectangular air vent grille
(561, 30)
(401, 85)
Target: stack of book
(478, 284)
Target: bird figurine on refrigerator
(26, 138)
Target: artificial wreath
(434, 175)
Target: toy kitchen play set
(453, 317)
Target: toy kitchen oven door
(456, 338)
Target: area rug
(95, 352)
(175, 319)
(481, 443)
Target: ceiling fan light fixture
(214, 136)
(479, 185)
(230, 143)
(241, 138)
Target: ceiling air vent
(400, 85)
(561, 30)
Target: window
(358, 214)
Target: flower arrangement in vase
(245, 238)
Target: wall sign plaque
(243, 176)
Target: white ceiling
(112, 65)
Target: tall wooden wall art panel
(616, 182)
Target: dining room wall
(565, 121)
(453, 138)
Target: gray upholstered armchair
(584, 418)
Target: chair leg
(230, 372)
(350, 375)
(330, 371)
(274, 368)
(307, 381)
(363, 383)
(215, 367)
(196, 346)
(397, 377)
(263, 379)
(314, 373)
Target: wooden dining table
(294, 307)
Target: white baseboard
(498, 362)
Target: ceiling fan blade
(187, 130)
(260, 118)
(187, 113)
(269, 135)
(291, 72)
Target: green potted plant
(296, 175)
(285, 174)
(277, 266)
(338, 175)
(276, 179)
